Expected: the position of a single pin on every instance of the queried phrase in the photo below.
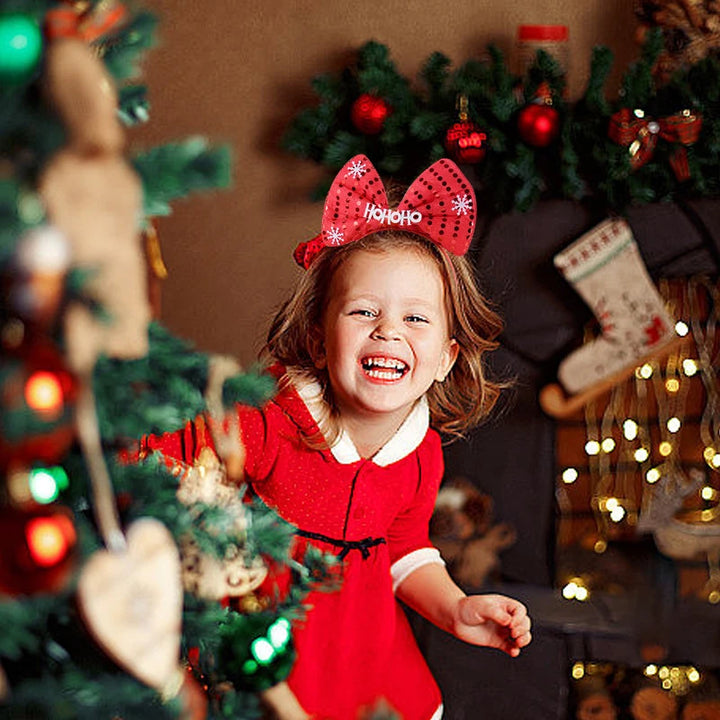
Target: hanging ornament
(539, 122)
(464, 140)
(131, 600)
(20, 47)
(36, 549)
(37, 400)
(369, 113)
(40, 265)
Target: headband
(439, 205)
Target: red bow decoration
(640, 134)
(439, 205)
(88, 25)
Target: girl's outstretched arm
(491, 620)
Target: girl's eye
(363, 312)
(416, 319)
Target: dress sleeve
(182, 447)
(408, 537)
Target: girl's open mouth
(384, 368)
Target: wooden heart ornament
(132, 602)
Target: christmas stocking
(606, 269)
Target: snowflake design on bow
(335, 236)
(462, 204)
(356, 169)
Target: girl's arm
(491, 620)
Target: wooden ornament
(131, 602)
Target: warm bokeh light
(592, 447)
(630, 429)
(672, 385)
(43, 392)
(690, 367)
(652, 475)
(674, 424)
(569, 475)
(49, 539)
(644, 372)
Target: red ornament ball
(465, 142)
(538, 124)
(36, 549)
(369, 113)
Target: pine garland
(583, 163)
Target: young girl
(383, 337)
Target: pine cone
(691, 29)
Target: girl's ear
(447, 359)
(316, 346)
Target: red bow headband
(439, 205)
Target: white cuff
(407, 564)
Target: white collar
(407, 438)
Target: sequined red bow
(439, 205)
(67, 21)
(640, 134)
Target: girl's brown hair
(457, 404)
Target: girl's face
(384, 337)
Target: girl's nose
(385, 330)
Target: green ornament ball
(20, 47)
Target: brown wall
(238, 71)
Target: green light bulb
(20, 47)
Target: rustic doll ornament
(93, 196)
(205, 575)
(214, 479)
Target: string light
(578, 671)
(690, 367)
(575, 589)
(569, 475)
(592, 447)
(707, 493)
(644, 372)
(630, 429)
(46, 483)
(608, 445)
(681, 328)
(653, 475)
(673, 424)
(665, 448)
(641, 454)
(672, 385)
(650, 670)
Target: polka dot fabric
(439, 206)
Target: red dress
(355, 645)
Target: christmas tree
(126, 583)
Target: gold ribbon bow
(640, 135)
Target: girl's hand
(494, 621)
